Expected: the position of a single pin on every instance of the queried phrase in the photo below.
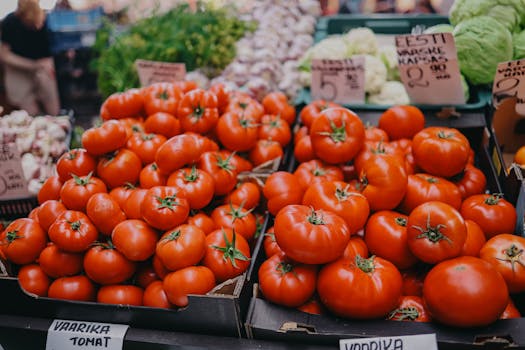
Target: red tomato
(227, 254)
(106, 265)
(56, 263)
(73, 232)
(34, 280)
(198, 111)
(159, 267)
(504, 252)
(50, 189)
(76, 192)
(457, 292)
(314, 171)
(242, 104)
(119, 168)
(221, 168)
(265, 151)
(237, 218)
(223, 95)
(277, 103)
(109, 137)
(303, 150)
(75, 162)
(162, 97)
(423, 188)
(413, 282)
(135, 239)
(270, 245)
(145, 275)
(120, 295)
(410, 308)
(312, 306)
(402, 122)
(104, 212)
(312, 110)
(286, 283)
(48, 212)
(372, 149)
(126, 104)
(189, 280)
(470, 182)
(22, 241)
(237, 132)
(186, 85)
(492, 213)
(337, 135)
(154, 296)
(274, 128)
(164, 208)
(150, 176)
(475, 239)
(510, 311)
(145, 146)
(310, 236)
(360, 288)
(78, 288)
(356, 246)
(197, 185)
(386, 236)
(202, 221)
(375, 134)
(120, 194)
(181, 247)
(441, 151)
(246, 195)
(132, 205)
(336, 196)
(163, 124)
(281, 189)
(436, 232)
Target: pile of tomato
(151, 208)
(389, 222)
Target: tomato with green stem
(162, 97)
(375, 134)
(164, 207)
(162, 123)
(356, 246)
(135, 239)
(470, 182)
(119, 168)
(221, 168)
(312, 110)
(105, 265)
(265, 151)
(242, 104)
(75, 162)
(270, 245)
(34, 280)
(145, 146)
(235, 217)
(196, 184)
(223, 95)
(315, 170)
(121, 193)
(150, 176)
(108, 137)
(127, 104)
(73, 232)
(202, 221)
(277, 103)
(22, 241)
(50, 189)
(402, 122)
(104, 212)
(76, 191)
(274, 128)
(410, 308)
(189, 280)
(198, 111)
(237, 132)
(78, 288)
(181, 247)
(246, 194)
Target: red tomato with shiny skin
(312, 110)
(337, 197)
(221, 168)
(465, 292)
(360, 288)
(189, 280)
(274, 128)
(119, 168)
(277, 103)
(314, 171)
(159, 267)
(413, 282)
(441, 151)
(154, 296)
(73, 232)
(504, 252)
(34, 280)
(410, 308)
(491, 212)
(237, 218)
(197, 185)
(375, 134)
(237, 132)
(510, 311)
(76, 192)
(475, 239)
(470, 182)
(50, 189)
(79, 288)
(303, 151)
(48, 212)
(22, 241)
(162, 97)
(105, 265)
(265, 151)
(312, 306)
(164, 207)
(104, 212)
(372, 149)
(120, 295)
(132, 205)
(108, 137)
(337, 135)
(120, 194)
(310, 236)
(227, 254)
(202, 221)
(145, 275)
(402, 122)
(281, 189)
(127, 104)
(356, 246)
(386, 236)
(223, 95)
(245, 194)
(75, 162)
(135, 239)
(163, 124)
(181, 247)
(423, 188)
(436, 232)
(198, 111)
(242, 104)
(145, 146)
(150, 176)
(57, 263)
(270, 245)
(287, 283)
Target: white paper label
(13, 184)
(341, 81)
(510, 82)
(429, 69)
(157, 72)
(407, 342)
(65, 334)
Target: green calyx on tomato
(432, 180)
(75, 225)
(401, 221)
(167, 202)
(318, 171)
(163, 95)
(108, 245)
(130, 186)
(82, 181)
(494, 199)
(230, 252)
(193, 175)
(315, 218)
(283, 268)
(342, 194)
(443, 135)
(365, 265)
(225, 164)
(12, 236)
(238, 213)
(404, 313)
(433, 234)
(338, 134)
(513, 256)
(246, 122)
(173, 236)
(379, 149)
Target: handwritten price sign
(429, 68)
(341, 81)
(157, 72)
(510, 82)
(13, 184)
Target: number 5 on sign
(341, 81)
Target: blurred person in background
(29, 69)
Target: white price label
(65, 334)
(157, 72)
(510, 82)
(407, 342)
(341, 81)
(429, 68)
(13, 184)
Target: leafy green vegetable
(519, 45)
(510, 13)
(202, 39)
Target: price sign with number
(341, 81)
(429, 69)
(13, 184)
(510, 82)
(150, 72)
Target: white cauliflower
(375, 74)
(361, 41)
(333, 47)
(392, 93)
(388, 55)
